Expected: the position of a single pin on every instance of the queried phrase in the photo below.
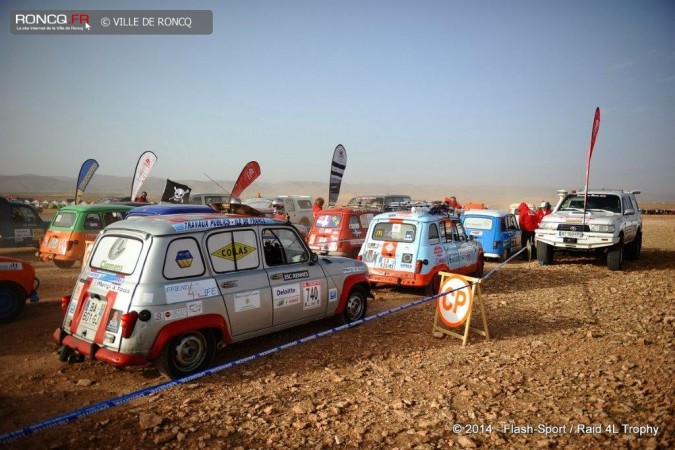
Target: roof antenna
(226, 191)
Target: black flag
(337, 170)
(176, 192)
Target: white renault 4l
(410, 248)
(173, 289)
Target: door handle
(228, 284)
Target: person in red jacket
(317, 206)
(543, 211)
(527, 220)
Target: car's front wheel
(357, 304)
(615, 257)
(544, 253)
(188, 353)
(12, 301)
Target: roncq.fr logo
(50, 19)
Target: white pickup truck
(611, 225)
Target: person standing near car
(318, 206)
(452, 202)
(527, 220)
(143, 198)
(543, 211)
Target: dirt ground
(580, 357)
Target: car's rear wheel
(433, 286)
(544, 253)
(357, 304)
(188, 353)
(505, 255)
(480, 267)
(62, 264)
(12, 301)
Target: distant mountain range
(52, 187)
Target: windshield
(602, 202)
(478, 223)
(367, 202)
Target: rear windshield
(367, 202)
(398, 232)
(64, 219)
(117, 254)
(478, 223)
(329, 220)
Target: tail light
(359, 257)
(64, 303)
(128, 323)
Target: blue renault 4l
(497, 231)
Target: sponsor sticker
(234, 252)
(296, 275)
(311, 293)
(11, 266)
(184, 259)
(194, 309)
(353, 269)
(114, 320)
(146, 298)
(286, 295)
(244, 301)
(332, 295)
(193, 290)
(106, 277)
(175, 314)
(213, 223)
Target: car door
(451, 243)
(299, 288)
(237, 263)
(631, 220)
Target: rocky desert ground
(579, 357)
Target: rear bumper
(93, 351)
(397, 278)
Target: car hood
(592, 216)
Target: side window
(183, 259)
(112, 216)
(635, 204)
(446, 231)
(354, 223)
(28, 214)
(289, 204)
(433, 234)
(233, 250)
(17, 217)
(513, 223)
(459, 229)
(283, 246)
(365, 219)
(503, 224)
(92, 222)
(627, 204)
(450, 232)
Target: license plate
(93, 312)
(574, 234)
(53, 241)
(387, 263)
(322, 240)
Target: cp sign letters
(455, 306)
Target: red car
(17, 283)
(340, 231)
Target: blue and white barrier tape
(106, 404)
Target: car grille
(573, 227)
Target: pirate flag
(176, 192)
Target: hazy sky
(426, 92)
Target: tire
(615, 257)
(634, 249)
(62, 264)
(480, 269)
(188, 353)
(12, 301)
(357, 304)
(504, 256)
(544, 253)
(433, 286)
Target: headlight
(548, 225)
(602, 228)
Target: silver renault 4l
(173, 289)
